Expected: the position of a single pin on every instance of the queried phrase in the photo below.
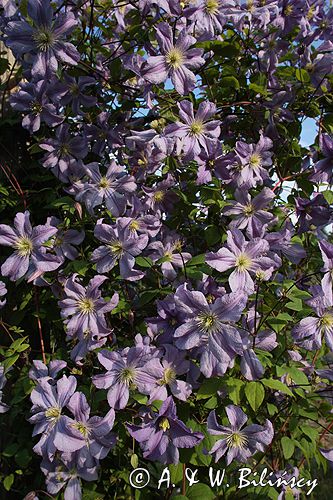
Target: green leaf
(10, 450)
(134, 460)
(279, 322)
(328, 195)
(255, 394)
(176, 473)
(80, 266)
(311, 432)
(23, 457)
(297, 375)
(212, 235)
(144, 261)
(146, 297)
(211, 403)
(277, 385)
(10, 361)
(17, 342)
(288, 447)
(200, 491)
(8, 482)
(234, 387)
(302, 75)
(208, 388)
(295, 305)
(231, 82)
(196, 260)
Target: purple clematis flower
(44, 39)
(9, 6)
(39, 371)
(91, 436)
(102, 135)
(165, 371)
(144, 224)
(63, 149)
(310, 331)
(3, 380)
(120, 245)
(3, 291)
(280, 242)
(87, 342)
(194, 132)
(32, 97)
(29, 259)
(72, 91)
(161, 197)
(170, 251)
(164, 434)
(175, 61)
(163, 326)
(249, 213)
(208, 325)
(209, 16)
(326, 249)
(85, 306)
(248, 166)
(238, 442)
(63, 243)
(323, 169)
(111, 188)
(126, 370)
(66, 472)
(48, 402)
(246, 258)
(312, 213)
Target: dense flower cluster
(186, 280)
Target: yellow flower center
(236, 440)
(177, 246)
(212, 6)
(134, 225)
(75, 89)
(208, 322)
(86, 306)
(311, 12)
(327, 320)
(64, 150)
(248, 210)
(243, 262)
(104, 183)
(174, 58)
(82, 428)
(127, 375)
(142, 162)
(260, 275)
(196, 128)
(159, 196)
(44, 39)
(255, 160)
(250, 6)
(24, 246)
(168, 376)
(167, 256)
(288, 10)
(116, 248)
(164, 424)
(53, 412)
(36, 107)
